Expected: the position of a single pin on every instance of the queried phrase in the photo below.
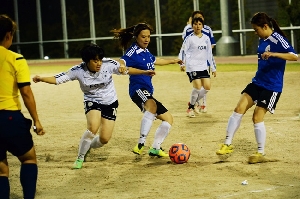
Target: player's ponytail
(125, 35)
(261, 18)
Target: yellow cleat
(138, 149)
(225, 149)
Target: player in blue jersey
(266, 86)
(94, 75)
(195, 53)
(188, 29)
(15, 135)
(141, 88)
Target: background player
(195, 52)
(188, 29)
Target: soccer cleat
(190, 113)
(138, 149)
(78, 164)
(197, 107)
(225, 149)
(157, 152)
(256, 158)
(203, 109)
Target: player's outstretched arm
(160, 61)
(49, 80)
(135, 71)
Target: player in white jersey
(195, 52)
(188, 29)
(266, 86)
(94, 75)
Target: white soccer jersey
(98, 87)
(195, 52)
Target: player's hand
(178, 61)
(266, 55)
(36, 79)
(38, 129)
(123, 69)
(214, 73)
(182, 68)
(150, 73)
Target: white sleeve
(210, 57)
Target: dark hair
(124, 35)
(261, 18)
(91, 52)
(197, 12)
(6, 25)
(197, 19)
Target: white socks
(233, 125)
(96, 142)
(260, 135)
(146, 124)
(160, 134)
(85, 143)
(194, 96)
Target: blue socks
(4, 187)
(28, 178)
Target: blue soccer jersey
(270, 72)
(142, 59)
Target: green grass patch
(290, 67)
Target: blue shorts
(142, 95)
(15, 135)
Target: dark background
(174, 15)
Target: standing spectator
(195, 53)
(266, 86)
(15, 136)
(141, 88)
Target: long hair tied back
(125, 35)
(261, 18)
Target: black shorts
(198, 75)
(107, 111)
(142, 95)
(262, 97)
(15, 135)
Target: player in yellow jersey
(15, 136)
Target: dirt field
(115, 172)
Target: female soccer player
(266, 86)
(188, 29)
(141, 88)
(195, 52)
(100, 98)
(15, 135)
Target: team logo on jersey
(267, 49)
(202, 47)
(194, 73)
(90, 104)
(264, 102)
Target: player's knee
(104, 140)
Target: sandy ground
(115, 172)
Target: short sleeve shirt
(13, 70)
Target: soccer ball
(179, 153)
